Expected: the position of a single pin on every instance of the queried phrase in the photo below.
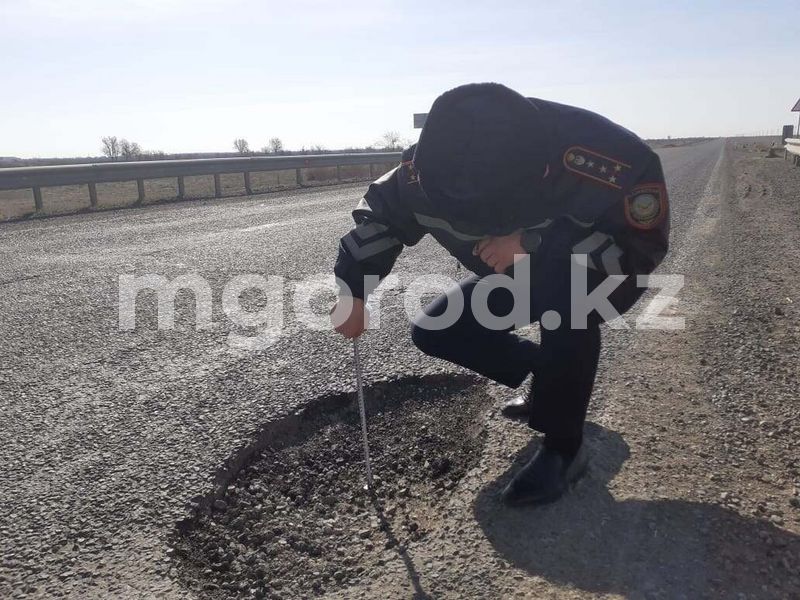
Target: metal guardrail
(91, 174)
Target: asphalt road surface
(106, 434)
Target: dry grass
(17, 204)
(674, 142)
(763, 144)
(348, 173)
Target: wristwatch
(530, 240)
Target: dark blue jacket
(599, 191)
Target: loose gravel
(296, 520)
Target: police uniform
(491, 162)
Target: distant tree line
(115, 148)
(389, 141)
(121, 149)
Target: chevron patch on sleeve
(369, 239)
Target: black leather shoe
(546, 477)
(519, 407)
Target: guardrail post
(338, 172)
(37, 198)
(217, 186)
(181, 188)
(299, 176)
(247, 187)
(93, 194)
(140, 190)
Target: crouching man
(507, 183)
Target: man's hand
(498, 252)
(349, 317)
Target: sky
(193, 75)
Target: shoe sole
(516, 412)
(515, 416)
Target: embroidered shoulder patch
(646, 205)
(411, 171)
(598, 167)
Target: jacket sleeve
(630, 237)
(638, 226)
(384, 224)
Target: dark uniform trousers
(564, 364)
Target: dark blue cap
(482, 155)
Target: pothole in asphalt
(291, 520)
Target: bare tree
(275, 145)
(129, 150)
(111, 147)
(241, 146)
(318, 148)
(390, 141)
